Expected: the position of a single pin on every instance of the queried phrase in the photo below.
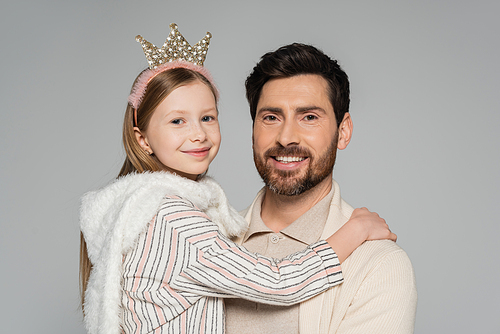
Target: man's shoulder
(381, 249)
(244, 211)
(378, 256)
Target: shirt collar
(306, 229)
(256, 224)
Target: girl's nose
(199, 133)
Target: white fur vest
(113, 218)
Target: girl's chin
(192, 175)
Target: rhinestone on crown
(175, 48)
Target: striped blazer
(175, 277)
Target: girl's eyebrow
(184, 112)
(173, 112)
(179, 111)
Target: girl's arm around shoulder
(210, 264)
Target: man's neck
(279, 211)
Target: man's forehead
(297, 82)
(295, 92)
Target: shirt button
(275, 239)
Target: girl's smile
(201, 152)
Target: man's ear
(142, 140)
(345, 132)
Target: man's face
(294, 134)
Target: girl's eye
(177, 121)
(207, 118)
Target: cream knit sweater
(378, 295)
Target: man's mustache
(289, 151)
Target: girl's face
(183, 132)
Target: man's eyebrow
(271, 109)
(309, 108)
(299, 110)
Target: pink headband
(139, 88)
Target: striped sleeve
(209, 264)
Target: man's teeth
(289, 159)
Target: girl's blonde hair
(137, 160)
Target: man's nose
(288, 134)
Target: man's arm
(386, 300)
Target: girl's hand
(375, 227)
(363, 225)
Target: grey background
(425, 152)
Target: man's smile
(288, 163)
(287, 160)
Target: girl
(155, 253)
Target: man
(299, 102)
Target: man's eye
(270, 118)
(310, 117)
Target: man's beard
(288, 182)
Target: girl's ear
(345, 132)
(142, 140)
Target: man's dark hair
(295, 59)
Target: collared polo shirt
(244, 316)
